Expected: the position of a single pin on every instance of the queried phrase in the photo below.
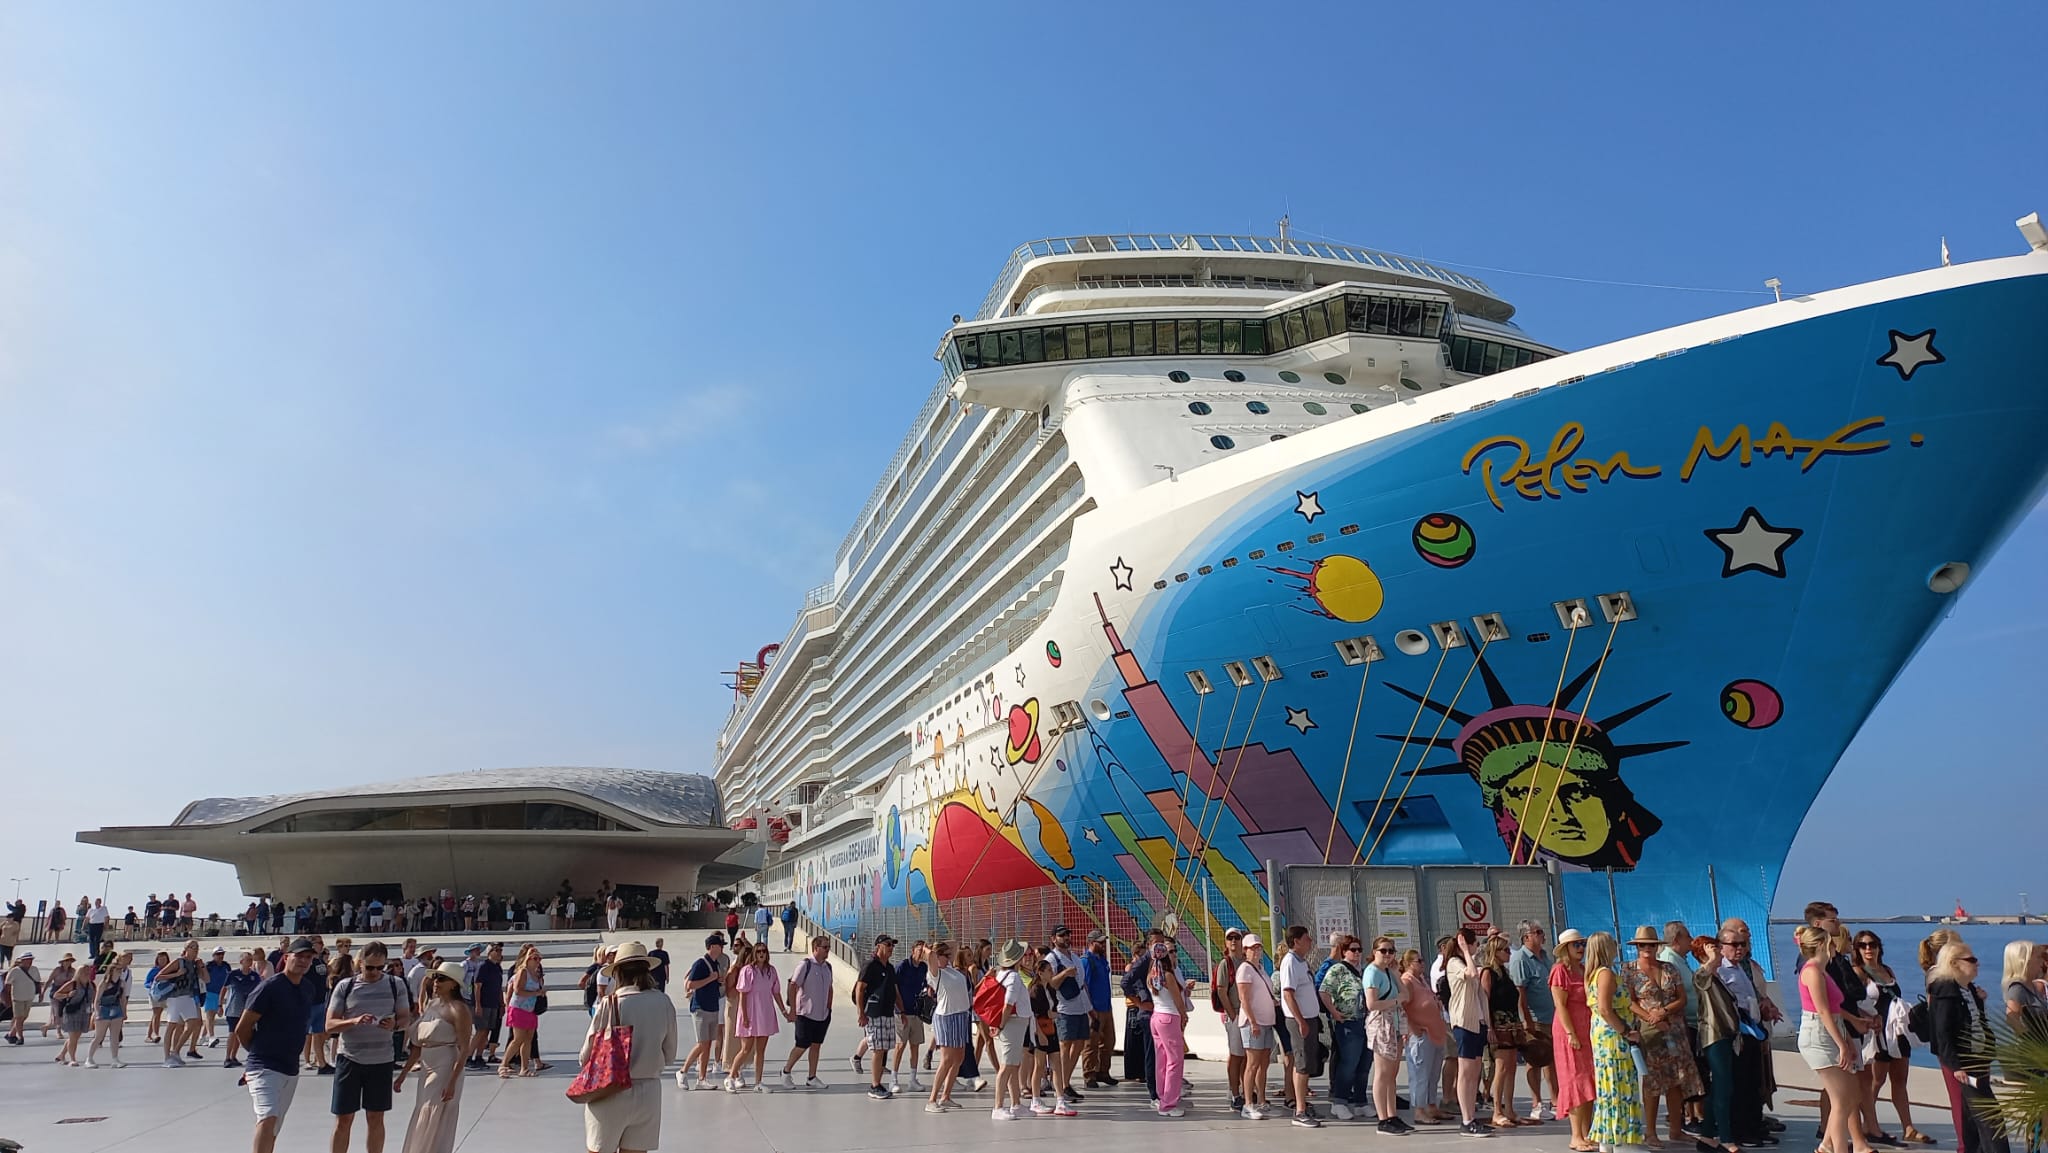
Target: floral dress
(1667, 1058)
(1618, 1104)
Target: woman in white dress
(439, 1039)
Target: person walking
(487, 996)
(952, 1025)
(874, 996)
(1962, 1043)
(273, 1031)
(1529, 968)
(789, 927)
(437, 1044)
(522, 1014)
(1255, 1024)
(703, 992)
(23, 987)
(761, 1011)
(764, 920)
(1656, 995)
(95, 926)
(809, 1012)
(630, 1121)
(116, 983)
(72, 1001)
(1618, 1111)
(1008, 1025)
(613, 906)
(217, 969)
(180, 985)
(1572, 1039)
(913, 995)
(234, 998)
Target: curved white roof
(664, 798)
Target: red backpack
(989, 999)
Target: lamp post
(56, 897)
(18, 882)
(109, 870)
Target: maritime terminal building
(520, 831)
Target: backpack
(1443, 988)
(989, 998)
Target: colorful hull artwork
(1778, 502)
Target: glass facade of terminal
(539, 816)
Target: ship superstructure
(1210, 551)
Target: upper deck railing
(1208, 242)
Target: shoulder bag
(611, 1058)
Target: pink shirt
(1425, 1012)
(757, 993)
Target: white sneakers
(1002, 1113)
(813, 1083)
(1176, 1111)
(1544, 1112)
(1040, 1108)
(788, 1082)
(1340, 1111)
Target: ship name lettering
(1534, 480)
(1778, 439)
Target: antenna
(1284, 218)
(1774, 284)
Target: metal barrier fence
(1415, 905)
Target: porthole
(1411, 642)
(1100, 708)
(1358, 407)
(1177, 376)
(1233, 376)
(1257, 406)
(1333, 378)
(1315, 409)
(1221, 441)
(1199, 407)
(1410, 385)
(1180, 578)
(1290, 377)
(1157, 585)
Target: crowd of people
(1659, 1039)
(170, 917)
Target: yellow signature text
(1563, 468)
(1560, 465)
(1777, 439)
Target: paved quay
(200, 1108)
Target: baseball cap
(219, 952)
(714, 939)
(1060, 931)
(885, 939)
(1232, 933)
(300, 945)
(1097, 935)
(1251, 939)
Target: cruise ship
(1212, 553)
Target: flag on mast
(1944, 252)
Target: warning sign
(1475, 912)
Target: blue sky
(386, 392)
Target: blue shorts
(1073, 1026)
(1466, 1045)
(212, 1003)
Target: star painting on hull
(1753, 544)
(1546, 767)
(1309, 505)
(1120, 573)
(1909, 353)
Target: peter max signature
(1562, 469)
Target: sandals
(531, 1073)
(1916, 1137)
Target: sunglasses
(1967, 960)
(1353, 949)
(1385, 952)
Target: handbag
(611, 1058)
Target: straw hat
(626, 951)
(1011, 953)
(1646, 935)
(453, 971)
(1570, 935)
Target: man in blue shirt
(273, 1031)
(1101, 1020)
(704, 986)
(912, 975)
(1529, 968)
